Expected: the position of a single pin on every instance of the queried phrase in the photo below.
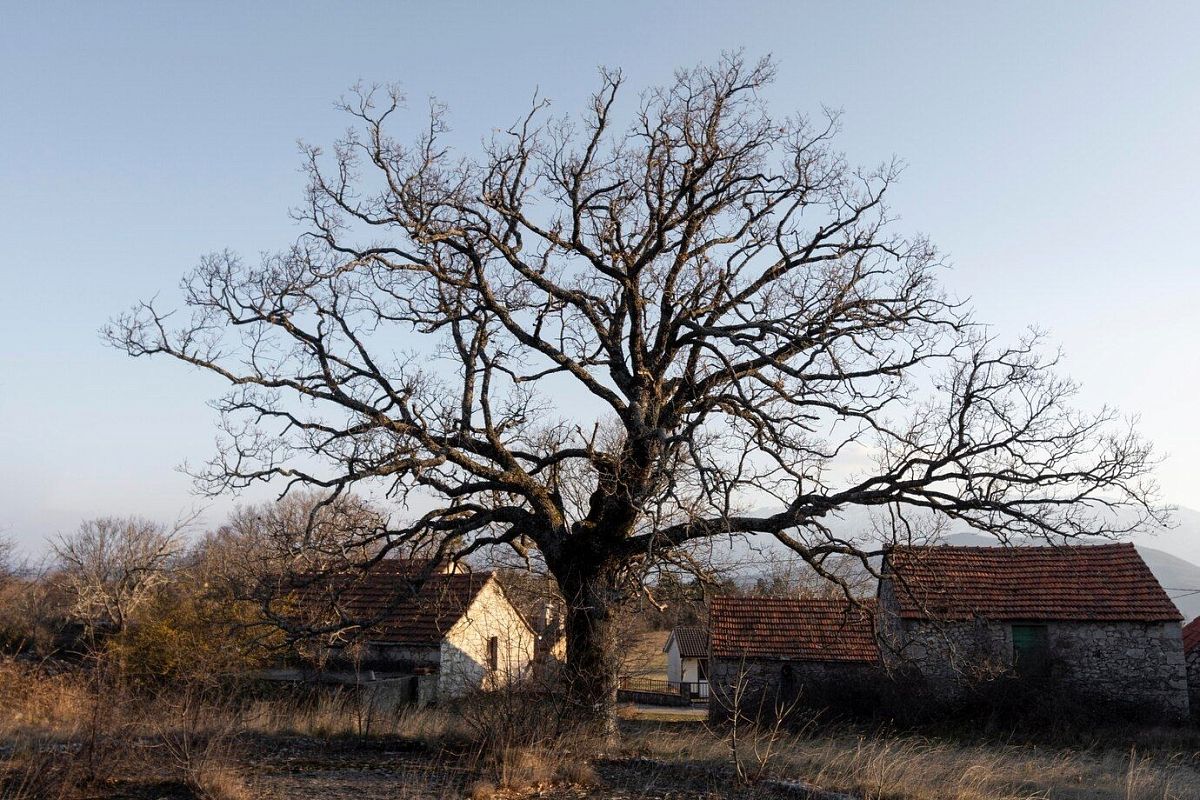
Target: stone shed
(818, 651)
(1191, 652)
(436, 632)
(1090, 623)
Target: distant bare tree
(112, 565)
(8, 558)
(266, 552)
(298, 535)
(596, 343)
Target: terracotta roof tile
(1103, 583)
(399, 601)
(793, 629)
(1191, 635)
(692, 641)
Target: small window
(1031, 650)
(493, 653)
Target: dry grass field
(642, 655)
(61, 740)
(1165, 766)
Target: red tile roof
(1103, 583)
(395, 604)
(691, 640)
(1191, 635)
(792, 629)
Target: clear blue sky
(1052, 152)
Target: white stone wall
(674, 669)
(464, 652)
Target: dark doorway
(1031, 650)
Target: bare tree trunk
(591, 592)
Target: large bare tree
(597, 341)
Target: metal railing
(695, 690)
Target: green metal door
(1031, 650)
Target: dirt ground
(347, 769)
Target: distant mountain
(1181, 541)
(746, 558)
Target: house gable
(489, 646)
(689, 640)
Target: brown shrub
(35, 702)
(527, 738)
(482, 790)
(577, 771)
(213, 780)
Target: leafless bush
(265, 546)
(526, 735)
(82, 744)
(193, 731)
(754, 720)
(8, 558)
(31, 605)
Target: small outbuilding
(687, 659)
(1088, 623)
(816, 650)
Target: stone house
(687, 658)
(780, 650)
(426, 632)
(1087, 622)
(1191, 652)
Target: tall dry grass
(77, 734)
(342, 713)
(894, 766)
(33, 702)
(509, 740)
(64, 737)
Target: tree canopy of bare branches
(111, 566)
(608, 335)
